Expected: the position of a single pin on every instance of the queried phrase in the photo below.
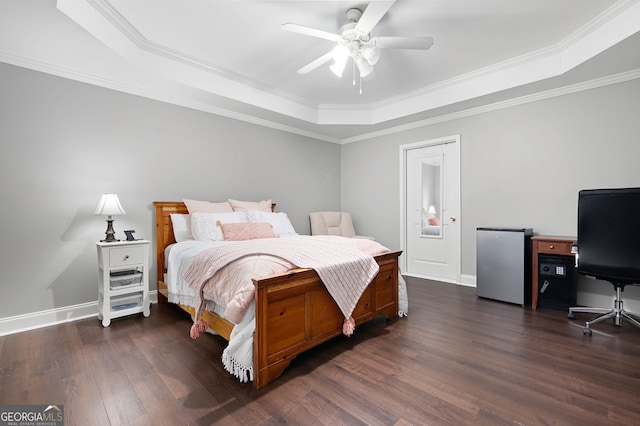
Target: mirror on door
(431, 197)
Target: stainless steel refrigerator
(503, 264)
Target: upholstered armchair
(333, 223)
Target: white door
(431, 209)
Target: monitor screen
(609, 234)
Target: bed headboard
(164, 228)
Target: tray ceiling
(232, 57)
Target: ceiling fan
(355, 42)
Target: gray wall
(65, 143)
(521, 166)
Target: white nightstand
(123, 279)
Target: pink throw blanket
(345, 266)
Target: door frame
(403, 199)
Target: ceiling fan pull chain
(354, 72)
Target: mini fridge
(503, 264)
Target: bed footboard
(294, 312)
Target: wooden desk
(549, 245)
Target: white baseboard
(33, 320)
(468, 280)
(465, 280)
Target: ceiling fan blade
(420, 43)
(316, 63)
(372, 15)
(295, 28)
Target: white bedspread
(180, 257)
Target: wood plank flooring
(456, 360)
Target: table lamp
(109, 205)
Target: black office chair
(609, 246)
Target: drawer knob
(126, 256)
(551, 246)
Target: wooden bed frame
(294, 311)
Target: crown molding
(101, 20)
(156, 94)
(188, 103)
(548, 94)
(612, 26)
(111, 15)
(105, 24)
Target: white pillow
(204, 228)
(181, 227)
(280, 221)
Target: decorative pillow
(243, 206)
(246, 231)
(195, 206)
(204, 228)
(434, 221)
(280, 221)
(181, 227)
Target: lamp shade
(340, 54)
(337, 69)
(363, 67)
(109, 205)
(371, 54)
(431, 211)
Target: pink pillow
(243, 206)
(434, 221)
(246, 231)
(195, 206)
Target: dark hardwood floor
(456, 359)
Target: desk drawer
(554, 247)
(121, 256)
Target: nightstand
(549, 247)
(123, 279)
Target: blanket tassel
(197, 328)
(349, 326)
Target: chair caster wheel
(587, 331)
(571, 315)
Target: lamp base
(110, 232)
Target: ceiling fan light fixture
(337, 68)
(364, 68)
(371, 54)
(341, 54)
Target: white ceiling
(232, 58)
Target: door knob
(453, 218)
